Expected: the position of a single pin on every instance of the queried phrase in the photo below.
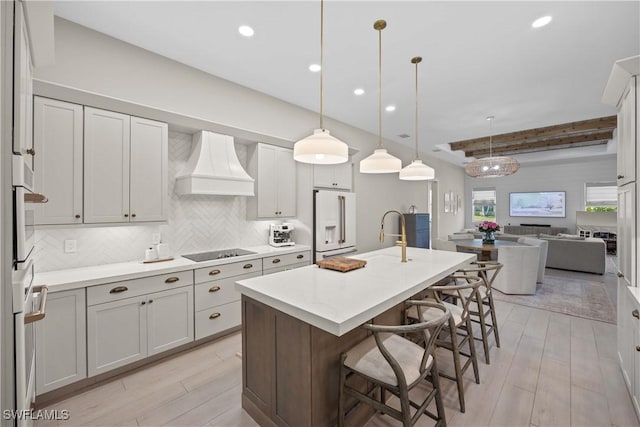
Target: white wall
(555, 176)
(93, 62)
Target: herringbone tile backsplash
(196, 224)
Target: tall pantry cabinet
(623, 91)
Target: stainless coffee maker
(280, 234)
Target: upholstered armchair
(520, 269)
(544, 246)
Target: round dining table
(484, 249)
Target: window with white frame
(483, 203)
(601, 197)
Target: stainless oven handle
(38, 315)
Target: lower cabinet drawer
(279, 261)
(286, 267)
(217, 292)
(217, 319)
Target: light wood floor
(552, 370)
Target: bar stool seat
(367, 359)
(430, 313)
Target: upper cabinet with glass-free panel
(338, 176)
(628, 116)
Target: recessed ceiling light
(359, 91)
(245, 30)
(541, 22)
(390, 108)
(314, 68)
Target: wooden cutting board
(342, 264)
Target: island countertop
(339, 302)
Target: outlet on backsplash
(70, 246)
(156, 238)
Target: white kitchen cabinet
(627, 139)
(61, 348)
(169, 319)
(57, 134)
(277, 263)
(130, 320)
(149, 170)
(275, 172)
(106, 166)
(125, 168)
(116, 334)
(629, 341)
(626, 235)
(23, 88)
(338, 176)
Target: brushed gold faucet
(403, 233)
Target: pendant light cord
(416, 61)
(321, 59)
(380, 88)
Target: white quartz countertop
(94, 275)
(339, 302)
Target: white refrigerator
(334, 223)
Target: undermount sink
(224, 253)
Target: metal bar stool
(483, 298)
(396, 364)
(459, 327)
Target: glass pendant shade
(492, 167)
(380, 162)
(321, 149)
(417, 171)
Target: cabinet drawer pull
(143, 303)
(214, 315)
(150, 301)
(214, 272)
(214, 289)
(275, 261)
(172, 280)
(133, 215)
(620, 176)
(31, 151)
(118, 289)
(620, 275)
(78, 216)
(300, 256)
(247, 266)
(635, 313)
(126, 215)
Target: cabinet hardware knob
(620, 176)
(247, 266)
(214, 289)
(172, 279)
(620, 275)
(300, 256)
(133, 215)
(126, 215)
(150, 301)
(214, 272)
(118, 289)
(275, 261)
(638, 348)
(214, 316)
(143, 303)
(635, 313)
(31, 151)
(78, 216)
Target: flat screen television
(545, 204)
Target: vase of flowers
(488, 228)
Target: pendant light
(321, 148)
(416, 170)
(492, 167)
(380, 161)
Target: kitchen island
(295, 325)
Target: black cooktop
(225, 253)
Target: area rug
(575, 297)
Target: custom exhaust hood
(214, 168)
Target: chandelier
(492, 167)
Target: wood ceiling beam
(602, 123)
(546, 144)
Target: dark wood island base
(290, 369)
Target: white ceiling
(479, 58)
